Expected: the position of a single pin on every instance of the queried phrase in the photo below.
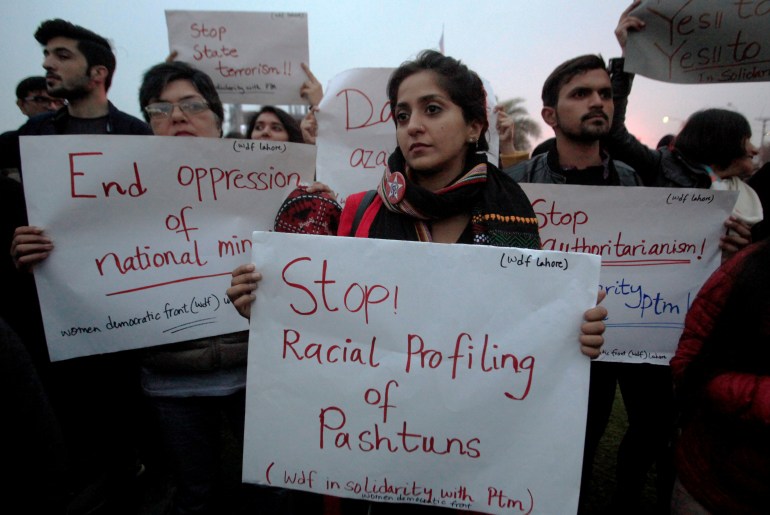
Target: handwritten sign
(356, 132)
(444, 375)
(252, 57)
(701, 41)
(146, 231)
(658, 246)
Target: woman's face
(742, 166)
(431, 131)
(269, 127)
(202, 124)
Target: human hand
(592, 329)
(628, 23)
(311, 89)
(320, 187)
(242, 287)
(505, 130)
(29, 247)
(737, 237)
(309, 126)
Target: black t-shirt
(591, 176)
(86, 125)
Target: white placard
(356, 133)
(252, 57)
(448, 375)
(147, 230)
(701, 41)
(658, 246)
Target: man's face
(67, 74)
(584, 110)
(38, 101)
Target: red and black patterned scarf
(501, 214)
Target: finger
(29, 260)
(600, 297)
(248, 279)
(591, 346)
(630, 8)
(27, 229)
(23, 248)
(236, 292)
(243, 305)
(307, 71)
(244, 269)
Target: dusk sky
(514, 44)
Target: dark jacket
(664, 167)
(51, 124)
(544, 169)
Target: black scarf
(501, 214)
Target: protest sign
(444, 375)
(356, 132)
(658, 246)
(146, 231)
(701, 41)
(252, 57)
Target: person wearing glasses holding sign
(193, 385)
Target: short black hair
(714, 137)
(159, 76)
(565, 72)
(28, 85)
(461, 83)
(95, 48)
(288, 121)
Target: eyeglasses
(163, 110)
(41, 100)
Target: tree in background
(525, 127)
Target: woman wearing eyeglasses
(192, 384)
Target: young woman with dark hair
(438, 187)
(274, 124)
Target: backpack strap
(366, 201)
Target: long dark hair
(713, 137)
(289, 123)
(462, 84)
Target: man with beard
(96, 399)
(79, 66)
(578, 105)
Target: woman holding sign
(439, 186)
(193, 384)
